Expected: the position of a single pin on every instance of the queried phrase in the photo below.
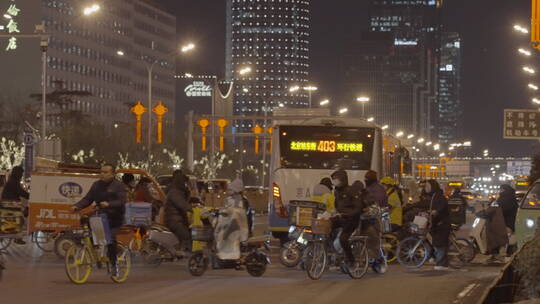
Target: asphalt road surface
(34, 277)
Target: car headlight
(476, 222)
(529, 223)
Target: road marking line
(467, 290)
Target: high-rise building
(395, 63)
(271, 37)
(450, 108)
(107, 53)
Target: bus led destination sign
(326, 146)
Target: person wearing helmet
(395, 201)
(322, 193)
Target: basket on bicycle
(321, 226)
(202, 233)
(302, 212)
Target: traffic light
(203, 123)
(138, 110)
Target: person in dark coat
(440, 223)
(176, 209)
(509, 205)
(13, 191)
(110, 195)
(375, 189)
(508, 202)
(496, 234)
(349, 210)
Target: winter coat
(507, 201)
(378, 192)
(496, 235)
(440, 220)
(177, 206)
(394, 200)
(114, 193)
(13, 191)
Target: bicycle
(322, 251)
(414, 251)
(83, 256)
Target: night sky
(492, 79)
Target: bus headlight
(476, 222)
(529, 223)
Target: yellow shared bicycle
(82, 257)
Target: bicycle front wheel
(316, 259)
(78, 264)
(123, 263)
(413, 252)
(361, 260)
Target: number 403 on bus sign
(326, 146)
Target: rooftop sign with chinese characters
(12, 26)
(521, 124)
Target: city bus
(305, 150)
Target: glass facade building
(450, 120)
(395, 61)
(272, 38)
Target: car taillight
(278, 203)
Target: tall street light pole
(363, 100)
(150, 69)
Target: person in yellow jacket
(322, 193)
(395, 201)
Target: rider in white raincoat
(232, 225)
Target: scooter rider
(110, 194)
(349, 205)
(176, 209)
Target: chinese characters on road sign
(521, 124)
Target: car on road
(528, 216)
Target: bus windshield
(322, 147)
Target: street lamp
(324, 102)
(399, 134)
(188, 47)
(89, 10)
(420, 140)
(521, 29)
(371, 119)
(536, 100)
(150, 68)
(428, 143)
(529, 70)
(436, 147)
(524, 52)
(343, 110)
(310, 89)
(245, 71)
(410, 136)
(363, 100)
(533, 87)
(385, 127)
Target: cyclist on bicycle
(349, 205)
(110, 195)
